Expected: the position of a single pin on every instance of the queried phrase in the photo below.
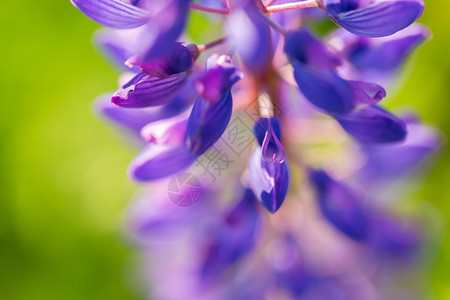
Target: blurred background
(63, 186)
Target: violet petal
(177, 59)
(373, 125)
(145, 90)
(234, 238)
(315, 75)
(165, 27)
(253, 44)
(268, 180)
(207, 122)
(112, 13)
(340, 205)
(219, 77)
(159, 161)
(380, 18)
(366, 92)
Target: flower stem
(265, 106)
(199, 7)
(202, 48)
(294, 5)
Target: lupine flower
(113, 13)
(373, 125)
(197, 133)
(159, 82)
(341, 205)
(315, 70)
(376, 60)
(232, 239)
(254, 43)
(307, 211)
(373, 18)
(269, 177)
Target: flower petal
(269, 130)
(340, 205)
(303, 47)
(373, 125)
(132, 120)
(232, 239)
(262, 126)
(394, 238)
(115, 47)
(315, 75)
(253, 44)
(219, 77)
(388, 162)
(326, 90)
(380, 18)
(159, 161)
(167, 23)
(207, 122)
(366, 92)
(268, 180)
(168, 132)
(112, 13)
(155, 218)
(389, 53)
(144, 90)
(177, 59)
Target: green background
(63, 187)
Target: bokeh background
(63, 187)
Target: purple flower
(233, 238)
(210, 115)
(117, 46)
(159, 161)
(336, 235)
(340, 205)
(373, 125)
(315, 71)
(194, 136)
(385, 163)
(167, 23)
(269, 176)
(145, 90)
(289, 268)
(113, 13)
(166, 132)
(374, 18)
(163, 21)
(133, 120)
(253, 44)
(377, 60)
(221, 76)
(156, 219)
(161, 80)
(393, 237)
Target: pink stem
(205, 47)
(208, 9)
(294, 5)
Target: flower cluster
(308, 210)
